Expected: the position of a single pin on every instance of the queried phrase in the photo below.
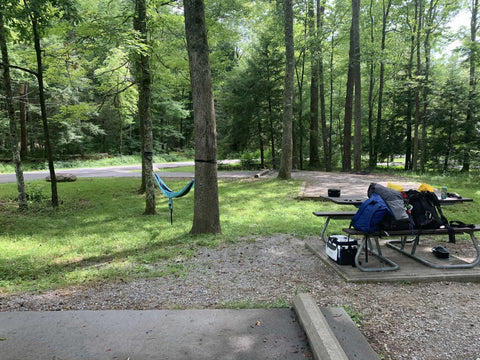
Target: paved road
(125, 171)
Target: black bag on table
(427, 213)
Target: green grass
(99, 233)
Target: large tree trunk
(144, 79)
(22, 196)
(357, 138)
(285, 171)
(43, 109)
(206, 217)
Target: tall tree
(34, 11)
(321, 84)
(418, 84)
(352, 85)
(22, 196)
(314, 65)
(386, 5)
(144, 80)
(285, 171)
(357, 137)
(206, 214)
(472, 82)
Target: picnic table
(399, 245)
(357, 200)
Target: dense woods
(373, 81)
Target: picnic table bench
(400, 245)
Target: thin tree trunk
(321, 82)
(23, 121)
(298, 154)
(144, 79)
(206, 214)
(470, 125)
(417, 91)
(285, 171)
(22, 196)
(379, 129)
(426, 86)
(43, 109)
(411, 95)
(371, 146)
(357, 138)
(349, 99)
(314, 135)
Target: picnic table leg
(367, 245)
(322, 234)
(415, 244)
(439, 266)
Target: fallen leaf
(258, 323)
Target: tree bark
(349, 99)
(470, 123)
(314, 134)
(285, 171)
(321, 83)
(22, 196)
(379, 128)
(23, 121)
(418, 85)
(43, 109)
(357, 137)
(410, 93)
(371, 162)
(144, 79)
(206, 217)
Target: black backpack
(426, 211)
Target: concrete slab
(153, 334)
(323, 341)
(409, 269)
(348, 335)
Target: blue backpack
(370, 214)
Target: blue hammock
(170, 194)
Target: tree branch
(21, 68)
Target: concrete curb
(323, 343)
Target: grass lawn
(99, 232)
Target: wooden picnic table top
(357, 200)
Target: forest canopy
(417, 103)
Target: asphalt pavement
(124, 171)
